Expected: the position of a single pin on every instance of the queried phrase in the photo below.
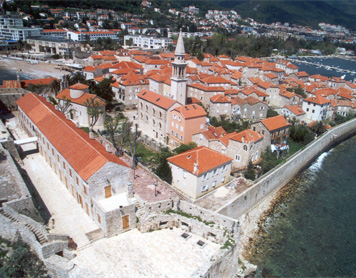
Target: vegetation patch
(188, 215)
(229, 243)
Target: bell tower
(179, 70)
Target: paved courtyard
(162, 253)
(67, 215)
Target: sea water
(312, 232)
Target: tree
(78, 77)
(55, 86)
(111, 126)
(65, 105)
(301, 134)
(38, 89)
(132, 140)
(271, 113)
(163, 170)
(103, 90)
(318, 127)
(250, 171)
(185, 147)
(94, 111)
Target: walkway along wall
(280, 176)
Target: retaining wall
(280, 176)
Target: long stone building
(97, 179)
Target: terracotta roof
(291, 66)
(276, 122)
(246, 136)
(271, 75)
(42, 81)
(96, 57)
(248, 100)
(156, 99)
(191, 111)
(79, 86)
(133, 79)
(89, 68)
(295, 109)
(65, 94)
(220, 99)
(318, 99)
(215, 80)
(214, 132)
(205, 158)
(85, 155)
(206, 88)
(302, 74)
(126, 65)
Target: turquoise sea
(312, 232)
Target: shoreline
(37, 71)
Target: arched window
(245, 147)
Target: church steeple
(179, 66)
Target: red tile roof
(220, 99)
(214, 132)
(42, 81)
(65, 94)
(79, 86)
(206, 159)
(247, 136)
(156, 99)
(206, 88)
(85, 155)
(191, 111)
(295, 109)
(276, 122)
(318, 99)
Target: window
(77, 180)
(205, 176)
(181, 128)
(215, 172)
(52, 151)
(47, 146)
(64, 165)
(224, 168)
(174, 116)
(57, 157)
(237, 158)
(85, 189)
(201, 126)
(214, 184)
(70, 172)
(99, 218)
(245, 148)
(172, 124)
(184, 174)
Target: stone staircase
(39, 235)
(139, 210)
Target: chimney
(107, 148)
(195, 167)
(129, 188)
(243, 139)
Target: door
(125, 222)
(108, 191)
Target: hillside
(300, 12)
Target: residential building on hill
(274, 129)
(317, 108)
(153, 111)
(184, 121)
(200, 170)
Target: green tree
(271, 113)
(111, 125)
(163, 170)
(55, 86)
(185, 147)
(319, 128)
(269, 160)
(94, 110)
(301, 134)
(103, 90)
(250, 171)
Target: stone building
(97, 179)
(249, 108)
(203, 93)
(317, 108)
(77, 98)
(127, 89)
(200, 170)
(290, 112)
(153, 111)
(274, 129)
(206, 137)
(220, 105)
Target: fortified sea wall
(280, 176)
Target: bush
(250, 171)
(301, 134)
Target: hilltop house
(199, 171)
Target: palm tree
(55, 86)
(78, 77)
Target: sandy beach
(40, 70)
